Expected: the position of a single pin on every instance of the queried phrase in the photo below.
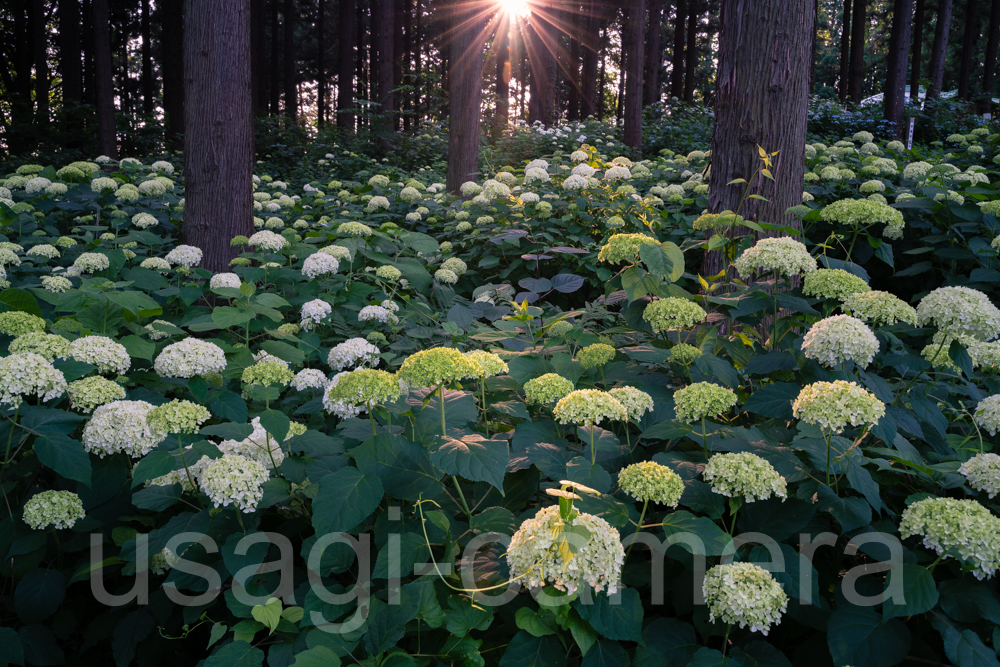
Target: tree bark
(541, 54)
(359, 67)
(856, 85)
(466, 85)
(274, 100)
(677, 75)
(41, 44)
(291, 72)
(258, 72)
(69, 51)
(601, 81)
(894, 94)
(406, 103)
(147, 60)
(845, 51)
(969, 38)
(940, 49)
(691, 53)
(992, 39)
(654, 54)
(398, 52)
(760, 102)
(382, 45)
(172, 65)
(106, 139)
(320, 65)
(345, 73)
(218, 144)
(418, 69)
(576, 23)
(591, 47)
(502, 48)
(635, 14)
(915, 52)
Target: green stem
(853, 241)
(461, 496)
(593, 450)
(486, 419)
(190, 477)
(704, 438)
(725, 640)
(10, 436)
(826, 436)
(371, 418)
(239, 519)
(638, 529)
(774, 324)
(917, 375)
(444, 430)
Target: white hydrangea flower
(225, 280)
(744, 594)
(351, 353)
(379, 314)
(575, 182)
(982, 472)
(43, 250)
(91, 262)
(101, 351)
(584, 170)
(29, 374)
(310, 378)
(258, 446)
(616, 173)
(377, 203)
(155, 264)
(59, 509)
(319, 264)
(834, 340)
(782, 254)
(746, 475)
(314, 312)
(533, 174)
(121, 426)
(950, 526)
(187, 256)
(268, 240)
(190, 357)
(960, 311)
(234, 480)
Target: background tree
(845, 51)
(940, 49)
(653, 53)
(106, 139)
(992, 38)
(916, 55)
(345, 65)
(894, 98)
(468, 21)
(635, 14)
(856, 81)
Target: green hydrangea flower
(596, 355)
(960, 311)
(624, 248)
(48, 346)
(834, 405)
(178, 417)
(353, 392)
(636, 402)
(59, 509)
(833, 284)
(878, 308)
(982, 472)
(17, 323)
(950, 527)
(436, 366)
(744, 474)
(702, 400)
(87, 394)
(683, 353)
(782, 254)
(589, 407)
(673, 313)
(547, 389)
(744, 594)
(489, 363)
(649, 481)
(267, 373)
(388, 272)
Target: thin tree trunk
(258, 72)
(218, 144)
(418, 69)
(398, 53)
(992, 39)
(291, 73)
(633, 23)
(275, 92)
(815, 39)
(147, 60)
(87, 19)
(345, 74)
(320, 65)
(653, 53)
(677, 75)
(845, 51)
(41, 44)
(501, 44)
(940, 49)
(858, 24)
(969, 38)
(602, 82)
(591, 47)
(691, 52)
(540, 52)
(760, 102)
(382, 44)
(362, 79)
(466, 84)
(406, 104)
(70, 66)
(894, 94)
(622, 66)
(915, 52)
(172, 66)
(576, 23)
(106, 139)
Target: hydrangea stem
(180, 447)
(444, 430)
(10, 436)
(593, 450)
(461, 496)
(704, 438)
(486, 419)
(638, 529)
(725, 640)
(827, 436)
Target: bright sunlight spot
(516, 7)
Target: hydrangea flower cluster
(865, 212)
(702, 400)
(744, 474)
(87, 394)
(649, 481)
(43, 250)
(101, 351)
(267, 373)
(319, 264)
(190, 357)
(121, 426)
(436, 366)
(879, 308)
(354, 229)
(782, 254)
(59, 509)
(833, 284)
(313, 313)
(178, 417)
(49, 346)
(29, 374)
(379, 314)
(835, 340)
(258, 446)
(834, 405)
(982, 472)
(744, 594)
(596, 355)
(446, 276)
(624, 248)
(234, 480)
(489, 364)
(388, 272)
(546, 389)
(962, 527)
(683, 353)
(187, 256)
(353, 352)
(225, 280)
(988, 413)
(267, 240)
(589, 407)
(351, 393)
(534, 553)
(636, 402)
(91, 262)
(673, 313)
(960, 311)
(55, 284)
(17, 323)
(309, 378)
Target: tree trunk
(894, 94)
(601, 81)
(940, 49)
(502, 47)
(815, 39)
(691, 52)
(591, 47)
(345, 73)
(398, 53)
(87, 19)
(291, 72)
(992, 39)
(760, 102)
(969, 38)
(106, 139)
(218, 144)
(147, 60)
(576, 23)
(677, 75)
(466, 84)
(70, 66)
(172, 66)
(418, 69)
(41, 44)
(856, 85)
(275, 92)
(653, 53)
(320, 65)
(540, 44)
(382, 43)
(258, 73)
(359, 66)
(915, 52)
(845, 51)
(406, 103)
(635, 15)
(622, 67)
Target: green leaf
(139, 348)
(39, 594)
(226, 316)
(236, 654)
(605, 654)
(538, 623)
(387, 622)
(461, 618)
(157, 498)
(684, 524)
(852, 513)
(276, 423)
(10, 647)
(475, 458)
(317, 656)
(584, 635)
(40, 646)
(284, 351)
(523, 650)
(345, 499)
(494, 520)
(137, 303)
(218, 632)
(622, 620)
(656, 260)
(129, 632)
(229, 405)
(760, 654)
(920, 594)
(857, 635)
(64, 455)
(709, 657)
(268, 613)
(401, 464)
(966, 649)
(18, 299)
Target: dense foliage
(517, 384)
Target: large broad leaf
(920, 594)
(345, 499)
(710, 368)
(709, 657)
(39, 594)
(18, 299)
(605, 654)
(64, 455)
(402, 465)
(773, 400)
(778, 519)
(614, 620)
(236, 654)
(40, 646)
(852, 513)
(387, 622)
(760, 654)
(475, 458)
(858, 636)
(966, 649)
(284, 351)
(10, 647)
(687, 529)
(157, 498)
(229, 405)
(276, 423)
(226, 316)
(668, 641)
(527, 651)
(131, 630)
(317, 656)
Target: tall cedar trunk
(856, 84)
(408, 41)
(320, 65)
(466, 85)
(541, 47)
(620, 102)
(87, 15)
(258, 72)
(71, 70)
(41, 45)
(691, 53)
(653, 53)
(815, 39)
(345, 66)
(591, 46)
(172, 66)
(291, 74)
(602, 79)
(501, 44)
(218, 144)
(576, 23)
(992, 39)
(915, 51)
(275, 92)
(359, 63)
(845, 50)
(382, 42)
(940, 49)
(106, 140)
(895, 80)
(969, 38)
(677, 75)
(635, 16)
(147, 60)
(398, 52)
(760, 102)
